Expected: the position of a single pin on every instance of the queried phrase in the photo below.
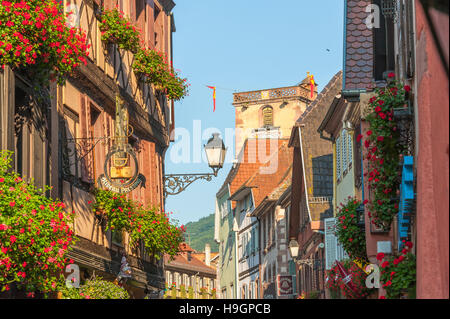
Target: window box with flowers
(384, 151)
(148, 226)
(36, 41)
(35, 235)
(116, 28)
(398, 273)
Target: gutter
(353, 95)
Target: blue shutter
(406, 200)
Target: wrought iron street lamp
(311, 262)
(215, 154)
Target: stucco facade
(226, 238)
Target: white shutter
(333, 249)
(350, 148)
(330, 243)
(344, 150)
(338, 158)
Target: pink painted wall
(432, 160)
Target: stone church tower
(270, 113)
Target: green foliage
(398, 274)
(313, 295)
(191, 292)
(35, 39)
(116, 28)
(201, 233)
(96, 288)
(351, 237)
(148, 226)
(183, 292)
(383, 152)
(204, 292)
(174, 292)
(35, 234)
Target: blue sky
(243, 45)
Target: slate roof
(358, 65)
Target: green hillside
(200, 233)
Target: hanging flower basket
(147, 226)
(155, 67)
(116, 28)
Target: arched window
(267, 112)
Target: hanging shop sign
(285, 285)
(121, 169)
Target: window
(273, 226)
(117, 238)
(384, 54)
(256, 239)
(267, 116)
(263, 233)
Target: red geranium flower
(380, 256)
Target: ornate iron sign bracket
(176, 183)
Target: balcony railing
(271, 94)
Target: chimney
(208, 255)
